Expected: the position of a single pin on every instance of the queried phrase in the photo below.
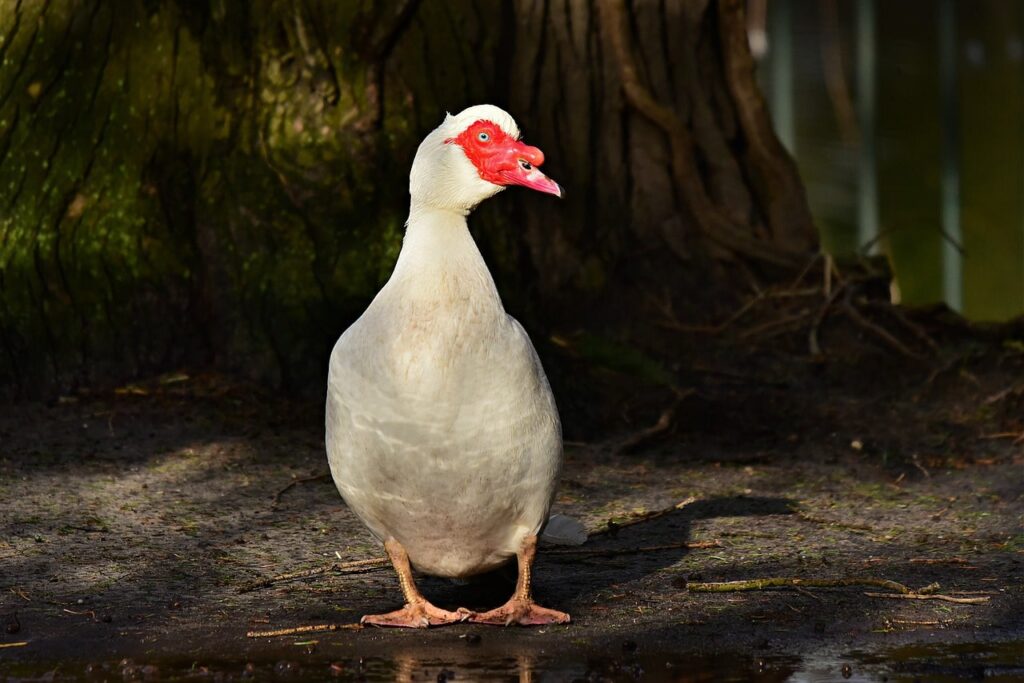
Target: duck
(442, 432)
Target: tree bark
(225, 183)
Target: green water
(990, 111)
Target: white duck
(442, 433)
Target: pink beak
(524, 171)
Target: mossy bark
(225, 182)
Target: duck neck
(440, 256)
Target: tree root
(900, 591)
(298, 630)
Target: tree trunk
(225, 182)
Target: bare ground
(130, 520)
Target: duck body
(442, 432)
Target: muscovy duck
(442, 432)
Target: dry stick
(293, 482)
(354, 567)
(901, 591)
(296, 630)
(611, 526)
(663, 424)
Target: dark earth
(131, 520)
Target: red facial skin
(501, 159)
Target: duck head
(474, 155)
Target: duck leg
(521, 609)
(417, 611)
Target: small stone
(629, 646)
(106, 618)
(847, 670)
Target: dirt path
(129, 521)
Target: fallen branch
(354, 567)
(612, 527)
(296, 630)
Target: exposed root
(298, 630)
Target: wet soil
(130, 519)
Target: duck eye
(525, 164)
(483, 137)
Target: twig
(612, 552)
(293, 482)
(832, 522)
(354, 567)
(296, 630)
(663, 424)
(932, 596)
(1018, 437)
(786, 582)
(936, 560)
(613, 527)
(22, 643)
(783, 322)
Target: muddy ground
(130, 519)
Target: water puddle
(1002, 662)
